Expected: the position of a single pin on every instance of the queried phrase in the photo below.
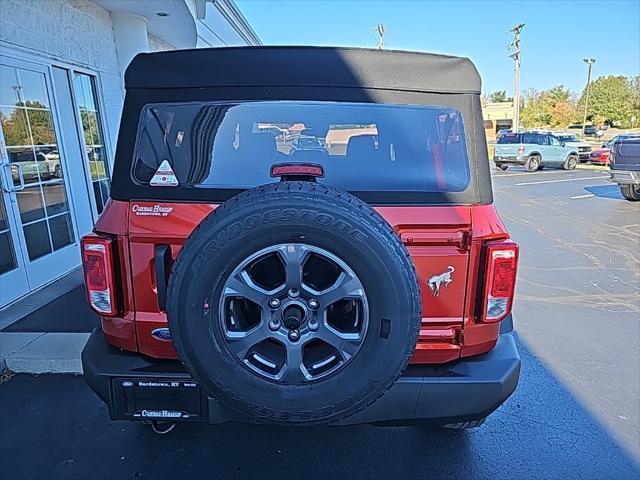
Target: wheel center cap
(293, 316)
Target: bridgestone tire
(323, 217)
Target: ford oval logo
(161, 334)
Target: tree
(610, 97)
(555, 107)
(559, 104)
(38, 130)
(499, 96)
(532, 113)
(557, 94)
(635, 100)
(563, 114)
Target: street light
(590, 62)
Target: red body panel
(120, 331)
(439, 238)
(600, 156)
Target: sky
(556, 37)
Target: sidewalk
(46, 331)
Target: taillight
(297, 169)
(500, 280)
(521, 149)
(98, 274)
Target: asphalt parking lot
(575, 414)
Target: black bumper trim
(464, 390)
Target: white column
(130, 32)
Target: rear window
(522, 138)
(362, 146)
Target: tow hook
(162, 428)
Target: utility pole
(589, 62)
(515, 55)
(380, 29)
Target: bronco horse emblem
(437, 281)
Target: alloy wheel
(293, 313)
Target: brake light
(502, 267)
(521, 149)
(297, 169)
(98, 274)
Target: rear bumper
(135, 387)
(625, 177)
(510, 159)
(599, 160)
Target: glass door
(13, 276)
(87, 108)
(34, 171)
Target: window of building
(93, 132)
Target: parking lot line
(562, 180)
(500, 175)
(583, 196)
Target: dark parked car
(625, 166)
(593, 131)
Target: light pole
(515, 55)
(380, 30)
(590, 62)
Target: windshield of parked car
(361, 146)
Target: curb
(587, 166)
(42, 352)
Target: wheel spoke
(346, 286)
(293, 371)
(346, 344)
(240, 342)
(241, 285)
(293, 257)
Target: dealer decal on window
(164, 176)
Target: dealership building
(497, 116)
(61, 94)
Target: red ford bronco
(368, 279)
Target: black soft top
(310, 74)
(303, 67)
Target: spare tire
(294, 303)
